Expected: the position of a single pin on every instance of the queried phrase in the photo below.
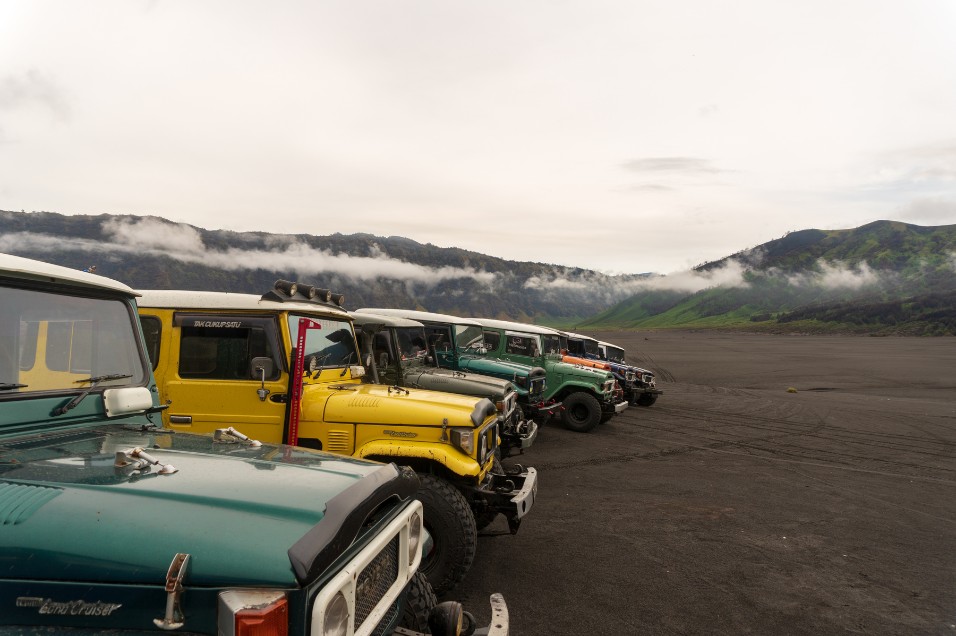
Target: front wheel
(420, 599)
(451, 524)
(646, 399)
(582, 412)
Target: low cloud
(184, 243)
(618, 287)
(837, 275)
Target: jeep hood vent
(18, 502)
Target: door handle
(180, 419)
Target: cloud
(837, 275)
(618, 287)
(684, 165)
(30, 88)
(184, 243)
(929, 210)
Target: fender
(447, 456)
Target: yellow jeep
(285, 367)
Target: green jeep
(110, 523)
(588, 396)
(397, 354)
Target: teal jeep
(110, 523)
(588, 396)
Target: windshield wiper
(346, 363)
(9, 386)
(72, 404)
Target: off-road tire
(582, 412)
(451, 524)
(646, 399)
(419, 600)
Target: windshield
(411, 344)
(591, 347)
(469, 337)
(329, 344)
(55, 342)
(615, 354)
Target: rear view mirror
(261, 368)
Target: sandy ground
(733, 506)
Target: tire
(646, 399)
(420, 599)
(582, 412)
(451, 524)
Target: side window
(492, 340)
(521, 345)
(439, 338)
(152, 332)
(222, 353)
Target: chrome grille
(630, 376)
(375, 580)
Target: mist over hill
(881, 278)
(884, 277)
(154, 253)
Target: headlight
(414, 537)
(336, 616)
(464, 438)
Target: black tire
(451, 524)
(419, 600)
(646, 399)
(582, 412)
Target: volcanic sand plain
(781, 485)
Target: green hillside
(884, 277)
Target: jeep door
(215, 370)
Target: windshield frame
(90, 336)
(347, 353)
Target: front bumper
(522, 437)
(511, 494)
(541, 412)
(498, 626)
(614, 407)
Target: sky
(624, 136)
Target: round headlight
(336, 616)
(414, 537)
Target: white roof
(516, 326)
(422, 316)
(610, 344)
(367, 318)
(177, 299)
(27, 268)
(580, 336)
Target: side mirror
(261, 368)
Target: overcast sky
(619, 135)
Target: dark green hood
(237, 510)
